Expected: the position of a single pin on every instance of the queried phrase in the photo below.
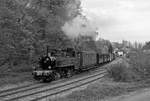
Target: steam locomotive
(65, 63)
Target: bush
(135, 67)
(122, 72)
(141, 64)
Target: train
(67, 62)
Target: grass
(15, 78)
(18, 74)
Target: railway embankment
(16, 75)
(124, 77)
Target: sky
(119, 19)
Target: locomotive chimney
(47, 49)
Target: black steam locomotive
(64, 63)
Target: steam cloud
(79, 25)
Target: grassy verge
(15, 78)
(122, 72)
(15, 75)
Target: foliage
(122, 72)
(146, 46)
(135, 67)
(140, 62)
(27, 26)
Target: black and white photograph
(74, 50)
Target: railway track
(34, 85)
(40, 91)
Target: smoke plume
(80, 25)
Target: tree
(147, 46)
(27, 26)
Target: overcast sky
(120, 19)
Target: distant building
(120, 53)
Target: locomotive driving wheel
(47, 79)
(57, 75)
(69, 73)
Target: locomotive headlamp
(49, 67)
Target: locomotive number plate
(42, 73)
